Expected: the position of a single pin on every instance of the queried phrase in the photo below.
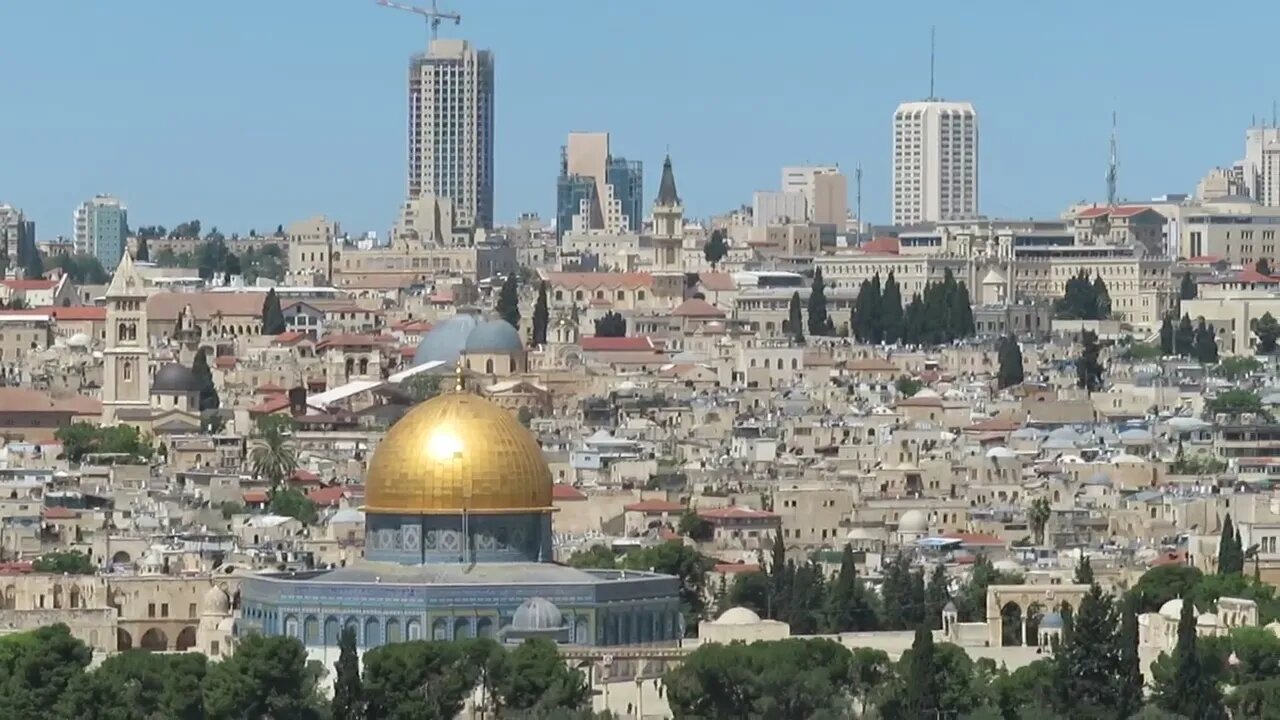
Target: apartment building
(101, 227)
(935, 162)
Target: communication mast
(434, 15)
(1113, 167)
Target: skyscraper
(935, 162)
(17, 235)
(595, 190)
(451, 111)
(101, 226)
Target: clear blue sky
(249, 113)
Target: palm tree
(1038, 517)
(273, 455)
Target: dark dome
(445, 342)
(494, 336)
(176, 379)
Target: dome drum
(438, 539)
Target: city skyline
(260, 150)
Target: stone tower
(668, 222)
(125, 363)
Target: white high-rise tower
(451, 129)
(935, 161)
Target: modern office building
(935, 162)
(451, 125)
(778, 208)
(595, 190)
(1259, 170)
(101, 227)
(17, 234)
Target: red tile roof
(1118, 211)
(329, 496)
(269, 389)
(225, 361)
(29, 284)
(412, 326)
(654, 506)
(885, 245)
(270, 405)
(60, 513)
(697, 308)
(72, 314)
(354, 341)
(617, 344)
(304, 477)
(736, 512)
(255, 496)
(560, 491)
(1203, 260)
(717, 281)
(290, 337)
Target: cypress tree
(1088, 365)
(1166, 336)
(891, 311)
(1206, 344)
(1184, 338)
(1088, 662)
(779, 581)
(348, 692)
(1131, 680)
(272, 316)
(1084, 572)
(1101, 299)
(1011, 371)
(875, 329)
(1193, 693)
(208, 391)
(914, 322)
(960, 320)
(858, 322)
(508, 305)
(541, 316)
(819, 322)
(1187, 290)
(920, 699)
(143, 254)
(1230, 555)
(847, 606)
(795, 318)
(936, 596)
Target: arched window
(311, 630)
(126, 370)
(488, 366)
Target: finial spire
(459, 386)
(932, 43)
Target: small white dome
(738, 616)
(1207, 620)
(1172, 610)
(1008, 566)
(216, 601)
(926, 393)
(79, 340)
(1001, 452)
(913, 521)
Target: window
(151, 610)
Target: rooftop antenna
(857, 184)
(1113, 166)
(433, 14)
(932, 44)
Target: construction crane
(433, 15)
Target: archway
(461, 628)
(186, 639)
(1010, 624)
(484, 627)
(372, 633)
(154, 640)
(120, 558)
(331, 631)
(124, 641)
(393, 631)
(1035, 612)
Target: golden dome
(458, 452)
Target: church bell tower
(125, 363)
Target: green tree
(33, 267)
(1163, 583)
(937, 593)
(685, 563)
(892, 318)
(1088, 365)
(208, 390)
(1088, 663)
(599, 557)
(1263, 266)
(1011, 370)
(422, 386)
(920, 676)
(1237, 368)
(143, 254)
(1187, 290)
(1084, 572)
(78, 439)
(1184, 338)
(750, 590)
(37, 668)
(819, 321)
(535, 680)
(1193, 693)
(1267, 330)
(795, 318)
(1166, 336)
(692, 526)
(807, 594)
(611, 324)
(64, 562)
(1230, 554)
(1235, 401)
(907, 386)
(1206, 344)
(139, 684)
(291, 502)
(541, 316)
(865, 319)
(1131, 679)
(266, 678)
(1038, 514)
(274, 456)
(422, 679)
(716, 248)
(272, 316)
(508, 305)
(348, 692)
(848, 607)
(1101, 299)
